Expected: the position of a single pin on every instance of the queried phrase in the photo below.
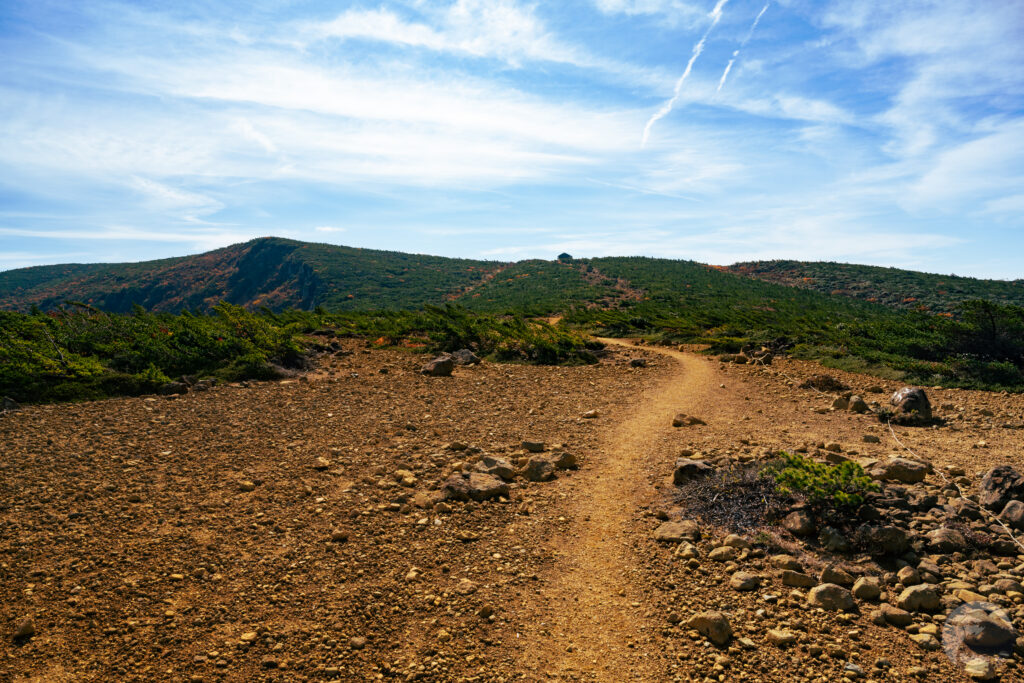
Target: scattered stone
(566, 461)
(340, 535)
(591, 414)
(781, 637)
(638, 363)
(832, 597)
(172, 389)
(441, 366)
(799, 522)
(744, 581)
(26, 629)
(902, 470)
(833, 574)
(677, 532)
(474, 486)
(858, 405)
(926, 641)
(683, 420)
(908, 576)
(867, 588)
(539, 469)
(884, 540)
(723, 554)
(912, 405)
(533, 446)
(833, 540)
(896, 616)
(999, 486)
(246, 485)
(946, 540)
(357, 642)
(499, 467)
(712, 625)
(465, 357)
(1013, 514)
(980, 669)
(786, 562)
(921, 598)
(688, 470)
(871, 438)
(797, 579)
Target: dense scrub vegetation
(905, 289)
(393, 298)
(79, 352)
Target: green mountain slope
(271, 272)
(890, 286)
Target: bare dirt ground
(286, 531)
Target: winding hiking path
(590, 622)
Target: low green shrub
(842, 485)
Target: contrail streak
(750, 34)
(716, 15)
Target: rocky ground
(328, 528)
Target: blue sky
(866, 131)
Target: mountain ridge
(279, 273)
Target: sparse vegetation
(842, 485)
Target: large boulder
(441, 366)
(902, 470)
(911, 404)
(473, 486)
(8, 404)
(712, 625)
(688, 470)
(999, 486)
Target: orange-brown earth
(285, 532)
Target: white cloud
(328, 228)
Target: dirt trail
(591, 623)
